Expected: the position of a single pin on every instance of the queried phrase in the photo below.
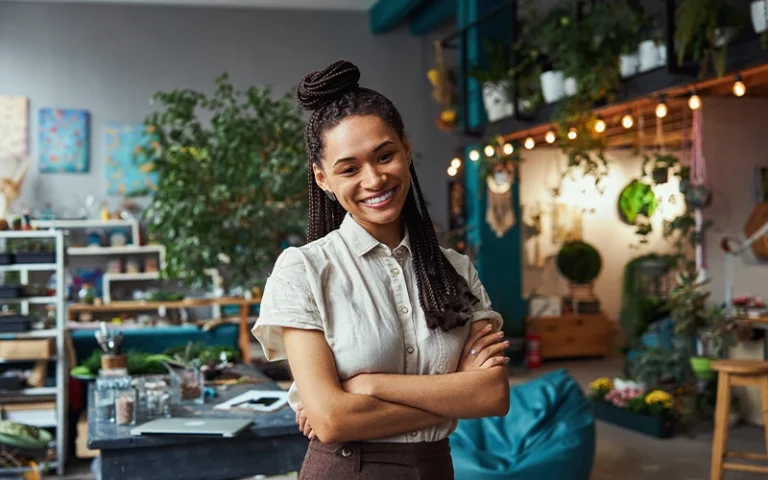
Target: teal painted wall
(499, 260)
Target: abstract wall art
(126, 171)
(64, 141)
(14, 126)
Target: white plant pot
(570, 86)
(552, 86)
(496, 101)
(661, 50)
(649, 55)
(622, 384)
(629, 64)
(723, 36)
(759, 15)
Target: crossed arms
(371, 406)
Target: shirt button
(395, 271)
(409, 350)
(414, 433)
(404, 310)
(400, 253)
(346, 453)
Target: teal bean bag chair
(548, 434)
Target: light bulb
(508, 149)
(600, 125)
(739, 89)
(550, 137)
(489, 150)
(661, 109)
(452, 171)
(456, 162)
(474, 155)
(530, 143)
(572, 133)
(627, 121)
(694, 103)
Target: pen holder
(109, 362)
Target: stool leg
(722, 409)
(764, 398)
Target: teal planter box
(659, 427)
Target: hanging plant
(703, 30)
(579, 262)
(445, 90)
(637, 200)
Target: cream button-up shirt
(364, 298)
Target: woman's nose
(373, 179)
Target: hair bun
(322, 86)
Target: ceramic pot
(702, 368)
(629, 65)
(552, 85)
(649, 55)
(760, 15)
(496, 101)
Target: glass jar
(187, 384)
(125, 407)
(87, 293)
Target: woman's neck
(390, 234)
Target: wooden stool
(736, 373)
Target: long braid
(334, 94)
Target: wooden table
(244, 334)
(272, 446)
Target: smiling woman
(380, 324)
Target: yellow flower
(660, 397)
(448, 116)
(603, 383)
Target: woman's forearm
(473, 394)
(362, 417)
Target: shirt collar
(363, 242)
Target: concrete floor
(623, 454)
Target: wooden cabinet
(571, 336)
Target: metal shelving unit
(60, 390)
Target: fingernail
(488, 327)
(500, 334)
(506, 344)
(506, 359)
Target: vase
(760, 15)
(702, 368)
(552, 86)
(629, 64)
(570, 87)
(496, 101)
(649, 55)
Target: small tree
(231, 188)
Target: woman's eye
(385, 157)
(347, 171)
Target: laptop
(217, 427)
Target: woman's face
(366, 165)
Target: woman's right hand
(483, 349)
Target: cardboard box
(32, 349)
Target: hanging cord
(660, 135)
(698, 163)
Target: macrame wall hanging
(500, 213)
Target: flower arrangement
(656, 403)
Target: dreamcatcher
(500, 213)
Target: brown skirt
(377, 461)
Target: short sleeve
(287, 301)
(483, 309)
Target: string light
(474, 155)
(489, 150)
(572, 133)
(530, 143)
(550, 137)
(600, 125)
(456, 163)
(694, 102)
(661, 108)
(627, 121)
(739, 89)
(508, 149)
(452, 171)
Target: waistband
(402, 453)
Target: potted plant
(496, 81)
(759, 14)
(580, 263)
(703, 30)
(552, 32)
(632, 21)
(661, 166)
(34, 251)
(231, 189)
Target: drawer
(576, 323)
(574, 344)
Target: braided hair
(333, 94)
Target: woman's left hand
(304, 426)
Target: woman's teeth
(380, 199)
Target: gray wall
(109, 59)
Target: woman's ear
(407, 148)
(320, 178)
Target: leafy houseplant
(579, 262)
(637, 204)
(702, 32)
(230, 190)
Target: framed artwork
(14, 126)
(126, 172)
(64, 139)
(761, 177)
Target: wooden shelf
(126, 250)
(139, 306)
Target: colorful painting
(126, 172)
(63, 141)
(14, 125)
